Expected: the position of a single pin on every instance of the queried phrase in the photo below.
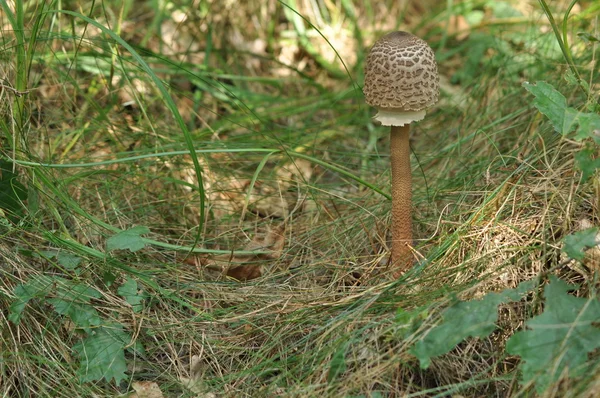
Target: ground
(195, 202)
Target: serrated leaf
(565, 119)
(560, 339)
(551, 104)
(131, 294)
(36, 287)
(129, 239)
(338, 363)
(68, 298)
(575, 244)
(102, 356)
(83, 316)
(73, 301)
(462, 320)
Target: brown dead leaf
(267, 201)
(194, 382)
(250, 266)
(592, 255)
(145, 389)
(298, 172)
(458, 25)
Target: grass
(239, 138)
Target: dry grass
(495, 192)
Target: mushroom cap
(401, 78)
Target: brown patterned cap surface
(401, 74)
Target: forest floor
(195, 202)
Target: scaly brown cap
(401, 78)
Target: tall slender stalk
(401, 199)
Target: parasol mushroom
(401, 82)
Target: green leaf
(553, 105)
(68, 298)
(575, 244)
(503, 9)
(73, 301)
(101, 354)
(560, 339)
(83, 316)
(131, 294)
(67, 260)
(565, 119)
(36, 287)
(109, 277)
(338, 363)
(587, 162)
(130, 239)
(476, 47)
(408, 322)
(589, 126)
(465, 319)
(474, 17)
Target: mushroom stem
(402, 257)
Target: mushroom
(401, 82)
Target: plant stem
(401, 199)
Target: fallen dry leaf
(267, 201)
(194, 382)
(250, 266)
(145, 389)
(458, 25)
(592, 255)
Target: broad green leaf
(68, 298)
(130, 239)
(109, 277)
(575, 244)
(101, 354)
(565, 119)
(36, 287)
(550, 103)
(129, 291)
(560, 339)
(465, 319)
(83, 316)
(73, 300)
(478, 44)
